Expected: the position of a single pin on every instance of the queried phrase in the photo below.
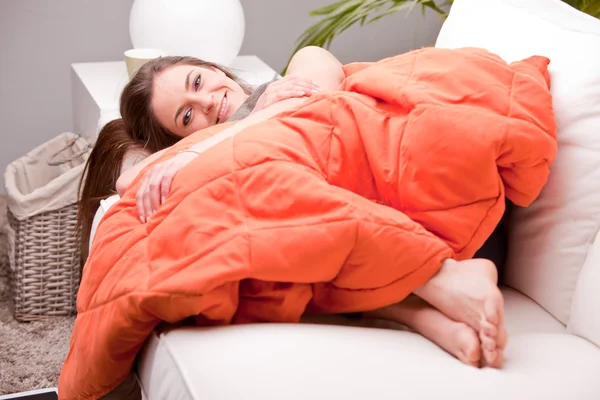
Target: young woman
(171, 98)
(170, 86)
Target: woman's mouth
(223, 109)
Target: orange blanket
(347, 203)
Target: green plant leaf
(340, 15)
(431, 4)
(591, 7)
(345, 6)
(352, 19)
(328, 9)
(395, 8)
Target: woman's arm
(130, 173)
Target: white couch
(552, 280)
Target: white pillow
(549, 241)
(104, 206)
(585, 311)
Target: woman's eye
(187, 116)
(197, 82)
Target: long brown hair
(100, 175)
(137, 97)
(138, 128)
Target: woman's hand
(157, 184)
(288, 87)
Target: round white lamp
(211, 30)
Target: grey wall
(39, 39)
(286, 20)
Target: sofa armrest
(585, 308)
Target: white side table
(96, 88)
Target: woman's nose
(206, 102)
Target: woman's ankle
(430, 287)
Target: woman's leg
(396, 255)
(456, 338)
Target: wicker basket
(44, 256)
(45, 266)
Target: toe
(487, 343)
(493, 309)
(490, 357)
(488, 329)
(471, 355)
(498, 360)
(474, 356)
(473, 363)
(502, 340)
(489, 349)
(469, 346)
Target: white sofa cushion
(272, 361)
(549, 241)
(318, 361)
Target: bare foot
(467, 291)
(456, 338)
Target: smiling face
(188, 98)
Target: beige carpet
(31, 354)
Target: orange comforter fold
(347, 203)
